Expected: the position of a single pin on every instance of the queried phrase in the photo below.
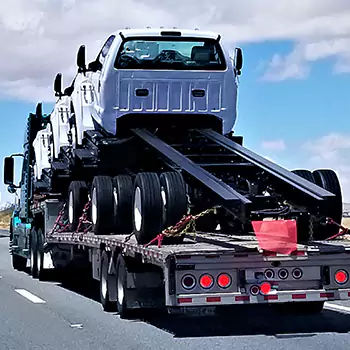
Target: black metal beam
(288, 177)
(231, 197)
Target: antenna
(196, 28)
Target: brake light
(254, 290)
(265, 288)
(206, 281)
(283, 274)
(224, 280)
(341, 277)
(269, 274)
(297, 273)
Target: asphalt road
(52, 315)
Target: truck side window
(105, 49)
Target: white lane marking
(79, 326)
(336, 307)
(33, 298)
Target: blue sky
(293, 96)
(283, 120)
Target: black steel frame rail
(288, 177)
(231, 197)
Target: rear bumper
(274, 297)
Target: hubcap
(104, 279)
(94, 206)
(137, 209)
(70, 208)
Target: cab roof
(167, 32)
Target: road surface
(48, 315)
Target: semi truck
(137, 174)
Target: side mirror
(11, 189)
(238, 60)
(8, 170)
(81, 59)
(58, 85)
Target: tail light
(269, 274)
(341, 277)
(265, 288)
(224, 280)
(297, 273)
(206, 281)
(283, 274)
(254, 290)
(188, 282)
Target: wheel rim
(38, 261)
(70, 208)
(120, 291)
(104, 279)
(94, 206)
(163, 194)
(137, 209)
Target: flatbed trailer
(206, 270)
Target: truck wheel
(105, 284)
(102, 205)
(122, 191)
(19, 262)
(173, 191)
(40, 255)
(328, 179)
(147, 207)
(305, 174)
(122, 307)
(77, 198)
(33, 253)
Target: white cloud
(42, 36)
(276, 145)
(331, 152)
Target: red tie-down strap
(278, 236)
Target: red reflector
(349, 294)
(206, 281)
(184, 300)
(298, 296)
(213, 299)
(224, 280)
(327, 295)
(265, 288)
(243, 297)
(271, 297)
(278, 236)
(298, 253)
(341, 277)
(267, 253)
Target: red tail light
(341, 277)
(224, 280)
(265, 288)
(206, 281)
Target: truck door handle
(198, 93)
(141, 92)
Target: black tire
(102, 205)
(19, 262)
(305, 174)
(328, 179)
(107, 304)
(33, 253)
(173, 191)
(303, 224)
(42, 273)
(77, 198)
(122, 192)
(147, 207)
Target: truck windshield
(175, 54)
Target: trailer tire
(105, 283)
(328, 179)
(19, 262)
(77, 198)
(122, 192)
(42, 273)
(173, 192)
(305, 174)
(147, 207)
(102, 205)
(33, 253)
